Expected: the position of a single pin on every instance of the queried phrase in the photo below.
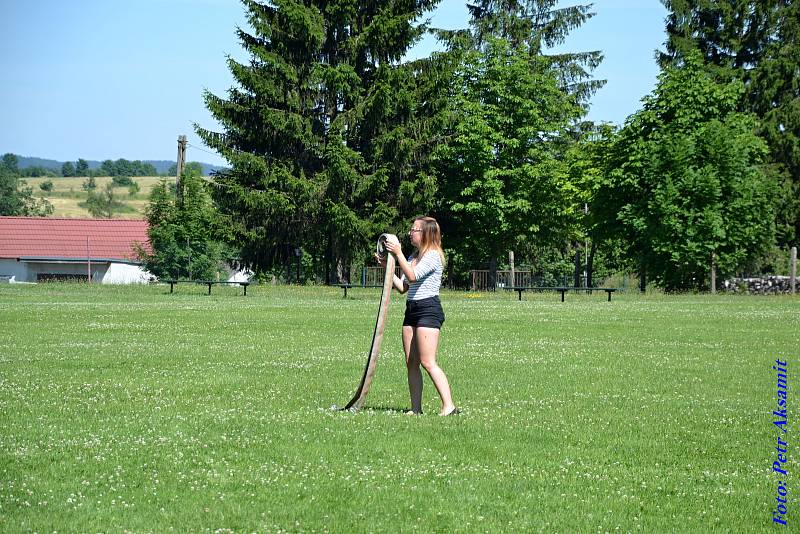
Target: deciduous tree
(16, 197)
(756, 42)
(517, 111)
(185, 236)
(101, 205)
(684, 185)
(503, 175)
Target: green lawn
(130, 409)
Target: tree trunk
(713, 273)
(590, 265)
(642, 279)
(492, 274)
(342, 271)
(450, 274)
(327, 262)
(577, 277)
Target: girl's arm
(400, 285)
(393, 246)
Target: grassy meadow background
(67, 196)
(130, 409)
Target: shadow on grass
(388, 409)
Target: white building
(34, 249)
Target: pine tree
(311, 132)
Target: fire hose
(360, 396)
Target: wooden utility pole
(181, 162)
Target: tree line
(332, 138)
(17, 198)
(80, 168)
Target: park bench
(563, 290)
(209, 283)
(345, 287)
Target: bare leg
(414, 372)
(427, 342)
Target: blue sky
(109, 79)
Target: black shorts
(427, 313)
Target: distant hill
(161, 166)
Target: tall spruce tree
(322, 132)
(731, 35)
(541, 25)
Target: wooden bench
(348, 286)
(209, 283)
(563, 290)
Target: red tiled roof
(38, 237)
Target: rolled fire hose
(377, 336)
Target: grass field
(67, 195)
(130, 409)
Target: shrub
(123, 181)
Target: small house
(36, 249)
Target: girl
(424, 315)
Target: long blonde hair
(431, 238)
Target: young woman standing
(421, 279)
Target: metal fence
(373, 276)
(481, 280)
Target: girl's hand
(381, 261)
(393, 246)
